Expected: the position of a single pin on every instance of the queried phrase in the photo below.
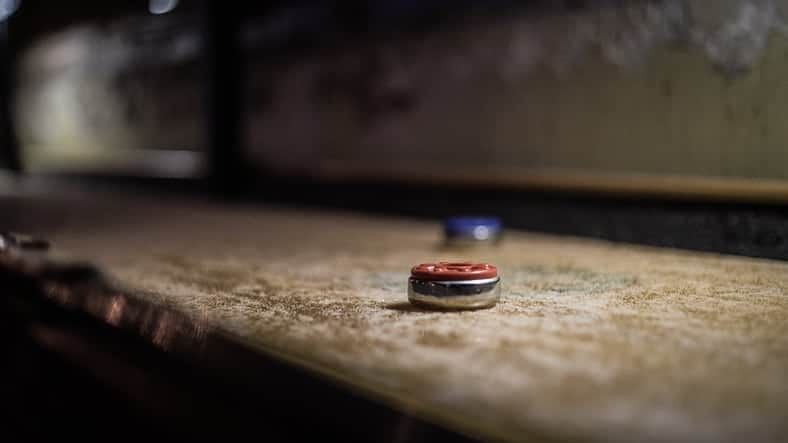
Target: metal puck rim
(480, 281)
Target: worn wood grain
(591, 341)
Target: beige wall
(673, 124)
(634, 99)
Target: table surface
(590, 341)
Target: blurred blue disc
(481, 229)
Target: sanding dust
(591, 340)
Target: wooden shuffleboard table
(591, 341)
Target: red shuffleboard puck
(454, 285)
(450, 271)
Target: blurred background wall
(662, 96)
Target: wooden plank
(590, 341)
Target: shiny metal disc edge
(463, 294)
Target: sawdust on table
(591, 340)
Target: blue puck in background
(472, 230)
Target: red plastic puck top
(445, 271)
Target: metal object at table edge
(18, 245)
